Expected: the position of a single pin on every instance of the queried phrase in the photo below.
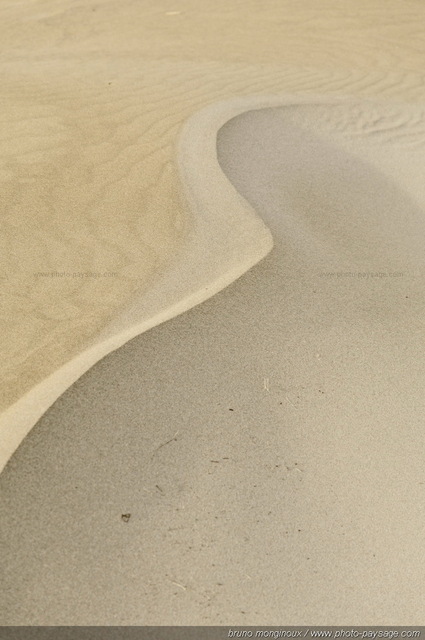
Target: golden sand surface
(94, 95)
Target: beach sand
(258, 459)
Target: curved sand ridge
(268, 444)
(225, 237)
(93, 98)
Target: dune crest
(94, 95)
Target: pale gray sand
(269, 443)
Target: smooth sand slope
(268, 445)
(93, 97)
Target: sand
(110, 171)
(94, 95)
(259, 459)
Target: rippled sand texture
(268, 445)
(93, 97)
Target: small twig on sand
(178, 585)
(288, 400)
(165, 443)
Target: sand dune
(93, 98)
(268, 444)
(117, 215)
